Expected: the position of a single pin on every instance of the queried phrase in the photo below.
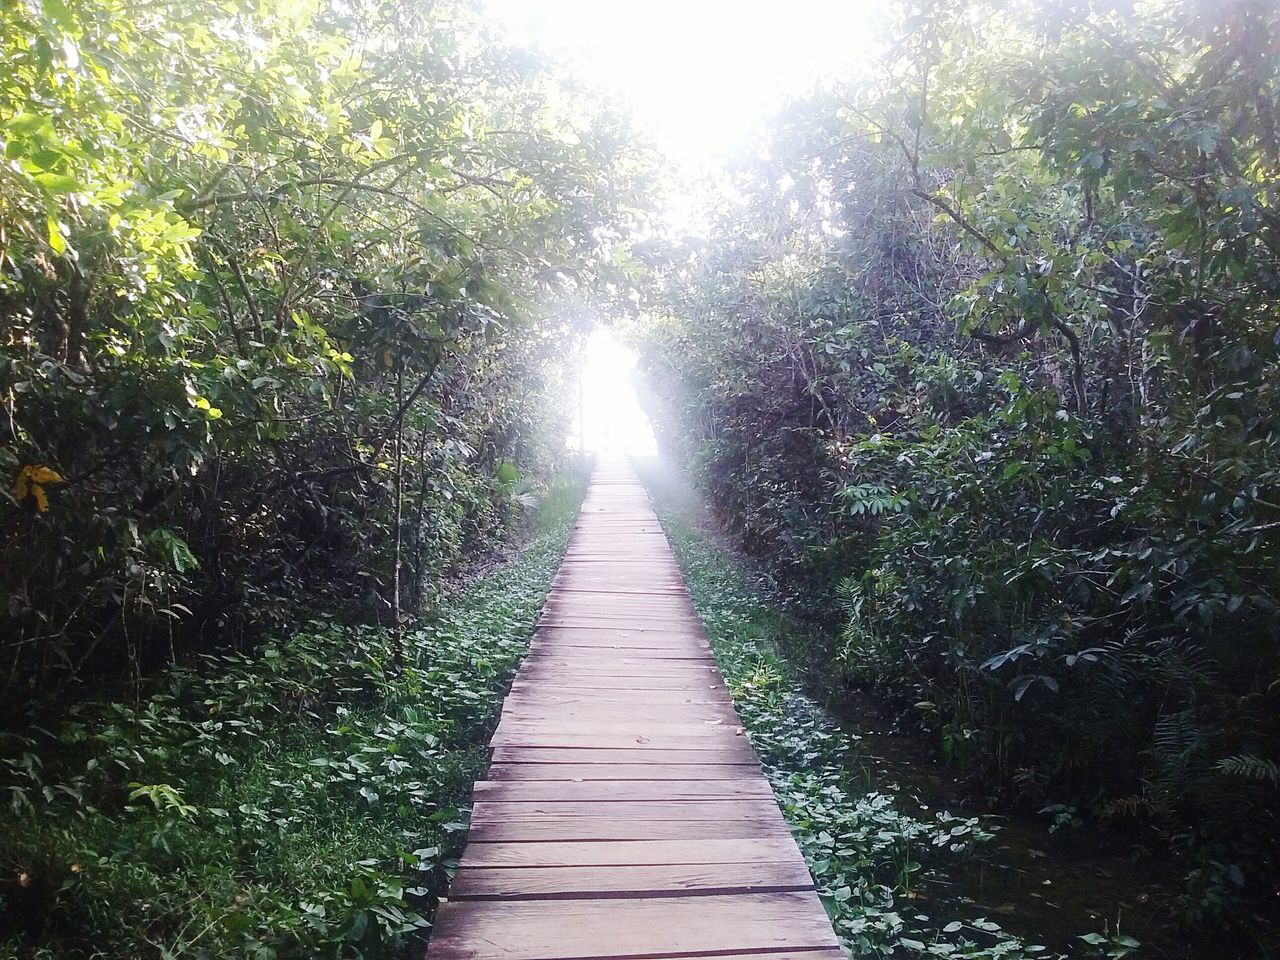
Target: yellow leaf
(30, 483)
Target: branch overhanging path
(625, 814)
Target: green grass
(867, 848)
(303, 802)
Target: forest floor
(1077, 890)
(306, 801)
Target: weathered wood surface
(624, 814)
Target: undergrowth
(867, 852)
(305, 801)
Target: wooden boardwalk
(625, 815)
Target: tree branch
(960, 221)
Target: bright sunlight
(608, 416)
(700, 79)
(697, 75)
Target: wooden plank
(523, 692)
(529, 710)
(605, 649)
(599, 621)
(625, 559)
(526, 693)
(621, 634)
(801, 953)
(735, 749)
(651, 612)
(609, 677)
(640, 629)
(613, 653)
(650, 738)
(674, 636)
(525, 791)
(572, 642)
(638, 660)
(646, 607)
(589, 584)
(613, 716)
(586, 658)
(638, 667)
(560, 754)
(547, 827)
(603, 682)
(794, 953)
(616, 679)
(622, 574)
(622, 771)
(580, 929)
(621, 725)
(674, 619)
(524, 883)
(487, 811)
(536, 693)
(622, 852)
(677, 703)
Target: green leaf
(25, 124)
(58, 12)
(57, 182)
(56, 240)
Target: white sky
(697, 75)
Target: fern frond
(1249, 766)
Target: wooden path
(625, 815)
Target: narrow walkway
(625, 814)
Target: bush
(303, 802)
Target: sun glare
(697, 75)
(699, 78)
(608, 418)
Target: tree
(284, 285)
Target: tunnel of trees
(975, 363)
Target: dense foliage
(303, 802)
(981, 359)
(286, 288)
(869, 847)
